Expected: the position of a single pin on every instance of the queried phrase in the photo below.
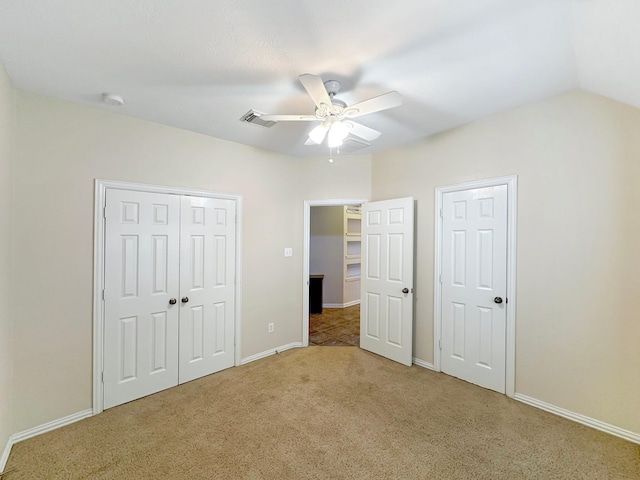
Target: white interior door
(169, 292)
(386, 308)
(207, 285)
(141, 276)
(474, 272)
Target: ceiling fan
(334, 114)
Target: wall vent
(253, 118)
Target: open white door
(386, 308)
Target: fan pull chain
(331, 156)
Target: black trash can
(315, 293)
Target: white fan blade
(375, 104)
(288, 118)
(317, 134)
(315, 88)
(359, 130)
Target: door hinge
(104, 212)
(440, 344)
(102, 377)
(440, 279)
(103, 294)
(441, 216)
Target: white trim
(511, 182)
(5, 454)
(39, 430)
(582, 419)
(306, 239)
(341, 305)
(423, 364)
(273, 351)
(101, 187)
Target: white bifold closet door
(169, 291)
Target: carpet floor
(325, 413)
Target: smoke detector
(112, 99)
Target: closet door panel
(207, 284)
(141, 276)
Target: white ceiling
(201, 64)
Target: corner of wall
(7, 158)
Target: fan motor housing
(332, 86)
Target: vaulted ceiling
(201, 64)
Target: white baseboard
(268, 353)
(5, 455)
(423, 364)
(39, 430)
(576, 417)
(341, 305)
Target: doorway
(334, 267)
(475, 261)
(326, 251)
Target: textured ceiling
(201, 64)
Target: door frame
(305, 254)
(100, 198)
(511, 182)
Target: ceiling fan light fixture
(334, 141)
(337, 133)
(318, 133)
(341, 129)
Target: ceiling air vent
(253, 118)
(351, 144)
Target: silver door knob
(185, 299)
(405, 290)
(172, 301)
(497, 300)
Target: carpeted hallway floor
(325, 413)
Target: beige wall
(577, 157)
(6, 345)
(61, 148)
(326, 247)
(578, 308)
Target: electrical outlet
(288, 252)
(271, 327)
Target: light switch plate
(288, 252)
